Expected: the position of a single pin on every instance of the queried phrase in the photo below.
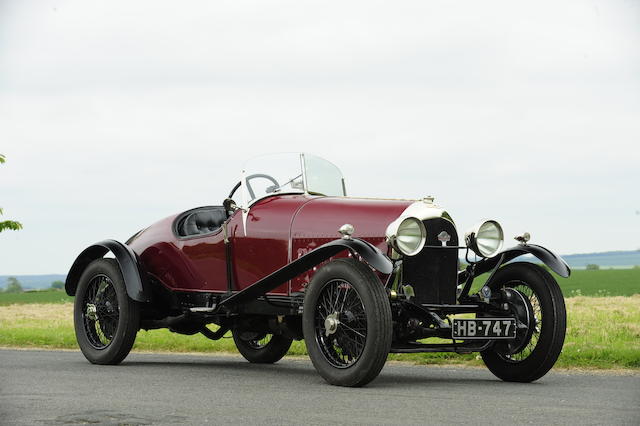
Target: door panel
(205, 256)
(265, 248)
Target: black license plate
(484, 328)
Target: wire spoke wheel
(536, 322)
(101, 312)
(537, 346)
(340, 323)
(106, 319)
(347, 323)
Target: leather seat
(202, 221)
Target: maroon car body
(286, 227)
(356, 278)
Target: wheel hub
(528, 322)
(92, 312)
(331, 324)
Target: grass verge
(39, 296)
(602, 332)
(598, 283)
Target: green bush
(58, 285)
(13, 285)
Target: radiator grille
(433, 272)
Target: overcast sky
(115, 114)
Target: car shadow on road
(392, 376)
(391, 379)
(297, 367)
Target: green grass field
(598, 283)
(605, 282)
(42, 296)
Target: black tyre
(261, 348)
(347, 323)
(106, 320)
(533, 357)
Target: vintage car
(296, 258)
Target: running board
(462, 347)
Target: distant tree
(13, 285)
(636, 267)
(8, 224)
(592, 267)
(57, 285)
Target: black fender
(552, 260)
(127, 260)
(370, 253)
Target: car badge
(444, 237)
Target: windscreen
(290, 173)
(322, 177)
(273, 174)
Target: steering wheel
(249, 188)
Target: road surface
(62, 388)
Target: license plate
(484, 328)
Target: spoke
(344, 299)
(330, 294)
(351, 329)
(336, 299)
(327, 308)
(355, 301)
(534, 301)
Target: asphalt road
(61, 388)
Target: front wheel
(106, 320)
(535, 355)
(347, 323)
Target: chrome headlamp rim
(487, 229)
(395, 230)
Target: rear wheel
(347, 323)
(261, 348)
(536, 350)
(106, 320)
